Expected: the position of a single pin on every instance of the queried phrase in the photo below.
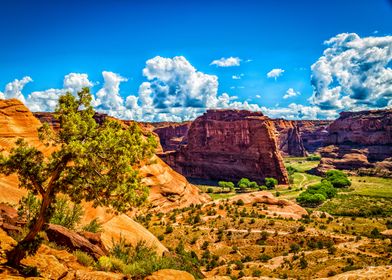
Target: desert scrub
(84, 258)
(94, 226)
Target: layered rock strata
(230, 145)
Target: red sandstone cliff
(359, 140)
(289, 138)
(172, 135)
(229, 145)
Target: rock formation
(172, 135)
(289, 138)
(230, 145)
(274, 206)
(359, 140)
(314, 133)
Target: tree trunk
(15, 256)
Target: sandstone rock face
(172, 135)
(280, 207)
(359, 140)
(314, 133)
(65, 237)
(170, 274)
(230, 145)
(289, 138)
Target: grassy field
(371, 186)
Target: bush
(94, 226)
(264, 257)
(169, 229)
(245, 183)
(313, 158)
(317, 194)
(210, 190)
(291, 170)
(66, 213)
(84, 258)
(270, 183)
(226, 185)
(240, 202)
(338, 178)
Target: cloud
(14, 89)
(275, 73)
(237, 77)
(227, 62)
(46, 100)
(258, 96)
(353, 73)
(291, 93)
(108, 97)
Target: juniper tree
(90, 161)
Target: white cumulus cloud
(291, 93)
(237, 77)
(275, 73)
(14, 89)
(227, 62)
(354, 73)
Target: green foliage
(140, 260)
(317, 194)
(313, 158)
(84, 258)
(245, 183)
(66, 214)
(91, 162)
(226, 185)
(270, 183)
(93, 226)
(291, 170)
(338, 178)
(240, 202)
(210, 190)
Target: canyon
(229, 145)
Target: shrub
(104, 263)
(210, 190)
(313, 158)
(264, 257)
(310, 200)
(169, 229)
(270, 183)
(263, 188)
(94, 226)
(226, 185)
(245, 183)
(66, 213)
(84, 258)
(291, 170)
(337, 178)
(240, 202)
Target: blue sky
(46, 40)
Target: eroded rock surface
(359, 140)
(289, 138)
(230, 145)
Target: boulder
(65, 237)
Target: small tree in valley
(90, 162)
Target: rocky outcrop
(172, 135)
(314, 133)
(359, 140)
(289, 138)
(230, 145)
(72, 240)
(170, 274)
(274, 206)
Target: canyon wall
(295, 138)
(229, 145)
(359, 140)
(289, 138)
